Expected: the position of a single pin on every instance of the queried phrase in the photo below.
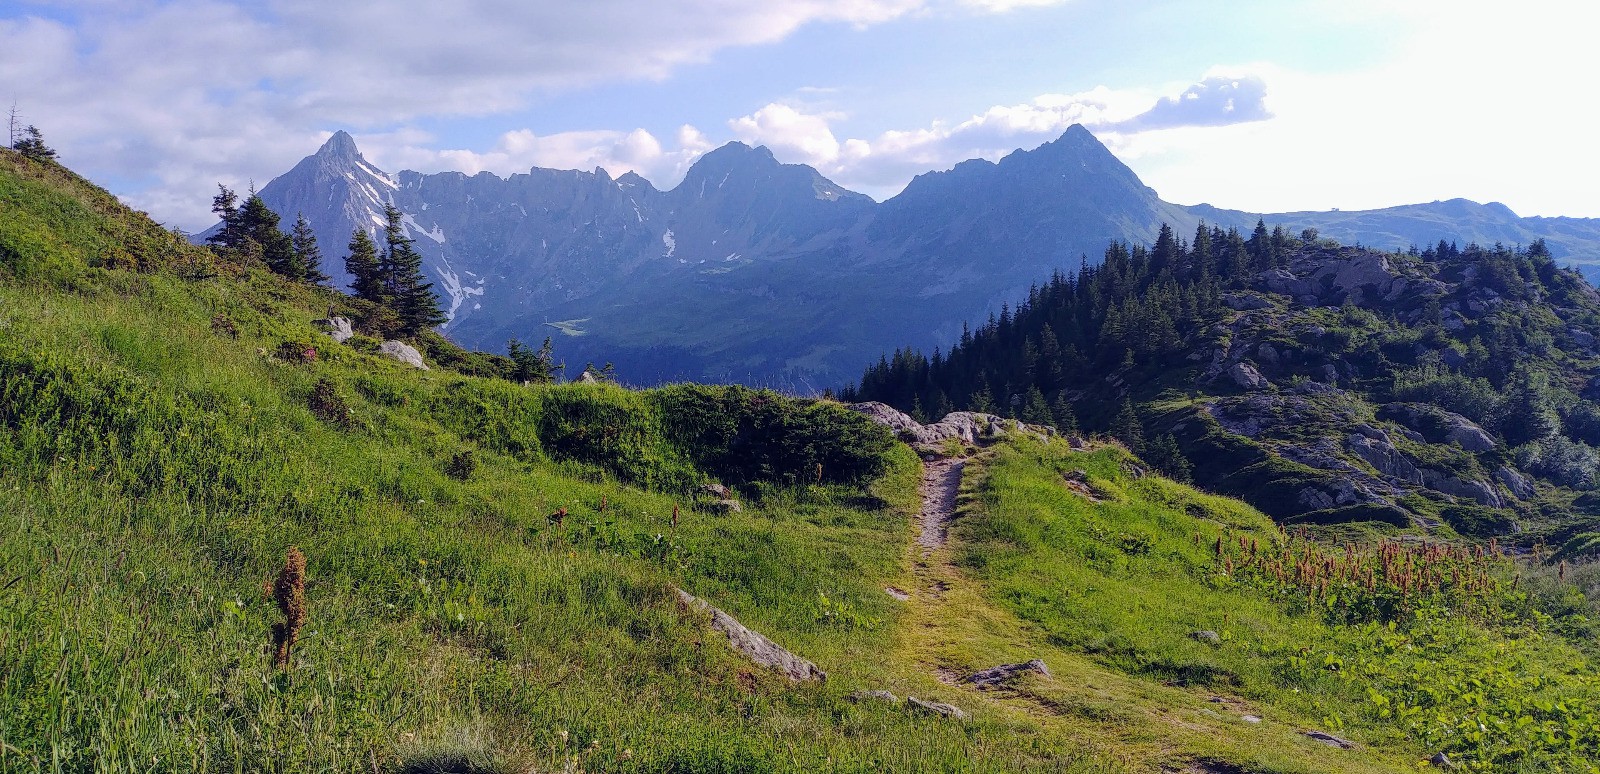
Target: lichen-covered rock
(753, 644)
(403, 352)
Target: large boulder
(403, 352)
(1247, 377)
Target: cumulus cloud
(1215, 101)
(166, 98)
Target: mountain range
(759, 272)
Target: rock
(1005, 673)
(897, 593)
(587, 377)
(1250, 718)
(1330, 374)
(1313, 499)
(1582, 337)
(1519, 484)
(1267, 354)
(970, 428)
(886, 415)
(1247, 377)
(1373, 445)
(727, 506)
(717, 490)
(1441, 760)
(860, 696)
(753, 645)
(1440, 426)
(936, 708)
(1244, 302)
(1478, 491)
(1207, 636)
(339, 328)
(1330, 740)
(403, 352)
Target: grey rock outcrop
(753, 644)
(1005, 673)
(338, 328)
(403, 352)
(1440, 426)
(970, 428)
(1518, 484)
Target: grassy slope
(153, 471)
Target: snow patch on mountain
(671, 242)
(458, 293)
(437, 234)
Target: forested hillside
(1447, 389)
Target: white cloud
(165, 99)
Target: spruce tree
(362, 265)
(308, 256)
(1035, 411)
(409, 293)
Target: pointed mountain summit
(341, 145)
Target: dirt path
(941, 480)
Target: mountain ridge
(744, 269)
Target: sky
(1257, 105)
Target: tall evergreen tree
(409, 293)
(362, 265)
(308, 256)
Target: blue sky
(1258, 105)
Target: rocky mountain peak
(340, 146)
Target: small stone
(936, 708)
(897, 593)
(1250, 718)
(727, 506)
(1330, 740)
(1207, 636)
(1441, 760)
(860, 696)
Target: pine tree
(1127, 428)
(1035, 411)
(259, 226)
(226, 206)
(308, 256)
(362, 265)
(1066, 420)
(410, 295)
(32, 145)
(1167, 457)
